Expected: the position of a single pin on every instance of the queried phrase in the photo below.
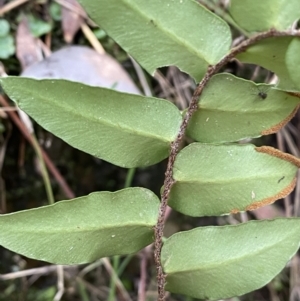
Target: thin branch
(118, 282)
(90, 267)
(90, 36)
(175, 146)
(8, 109)
(94, 290)
(60, 283)
(142, 78)
(144, 256)
(297, 197)
(25, 273)
(11, 5)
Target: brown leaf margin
(275, 128)
(279, 154)
(270, 200)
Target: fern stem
(175, 145)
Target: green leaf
(37, 26)
(7, 47)
(221, 179)
(293, 61)
(83, 229)
(271, 54)
(4, 28)
(160, 33)
(232, 109)
(124, 129)
(55, 11)
(257, 15)
(221, 262)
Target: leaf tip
(279, 154)
(275, 128)
(270, 200)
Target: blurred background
(56, 39)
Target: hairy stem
(175, 146)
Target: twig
(60, 283)
(95, 290)
(297, 197)
(273, 293)
(143, 274)
(295, 293)
(8, 109)
(175, 146)
(142, 78)
(92, 38)
(175, 73)
(291, 144)
(36, 271)
(90, 267)
(117, 281)
(165, 85)
(11, 5)
(294, 150)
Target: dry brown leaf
(27, 48)
(71, 20)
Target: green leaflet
(271, 54)
(232, 109)
(37, 26)
(293, 62)
(221, 262)
(7, 47)
(83, 229)
(150, 32)
(257, 15)
(124, 129)
(222, 179)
